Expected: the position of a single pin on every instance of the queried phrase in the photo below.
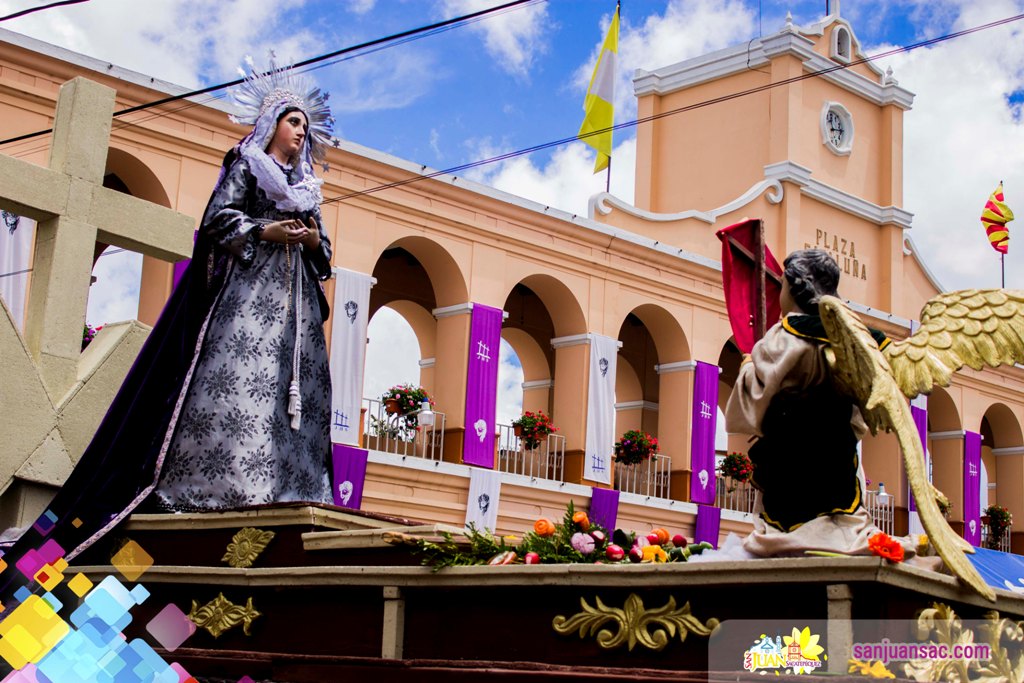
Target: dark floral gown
(231, 444)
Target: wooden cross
(53, 395)
(761, 273)
(74, 211)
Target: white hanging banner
(350, 318)
(601, 409)
(17, 236)
(484, 494)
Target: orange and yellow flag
(994, 217)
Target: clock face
(834, 125)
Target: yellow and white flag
(599, 108)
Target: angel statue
(819, 379)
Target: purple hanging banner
(709, 518)
(349, 470)
(604, 507)
(972, 488)
(920, 416)
(482, 386)
(703, 421)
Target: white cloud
(513, 37)
(510, 385)
(566, 182)
(115, 294)
(687, 28)
(393, 354)
(960, 140)
(360, 6)
(435, 138)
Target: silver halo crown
(263, 91)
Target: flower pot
(391, 405)
(985, 519)
(517, 430)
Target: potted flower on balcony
(403, 399)
(737, 468)
(635, 447)
(999, 520)
(533, 428)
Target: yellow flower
(809, 648)
(873, 670)
(654, 553)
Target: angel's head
(809, 275)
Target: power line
(305, 62)
(30, 10)
(122, 124)
(29, 270)
(671, 112)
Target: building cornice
(759, 52)
(637, 405)
(789, 171)
(604, 202)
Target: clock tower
(792, 128)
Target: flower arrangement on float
(575, 539)
(533, 428)
(635, 447)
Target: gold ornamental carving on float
(220, 615)
(651, 628)
(940, 625)
(246, 546)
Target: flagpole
(608, 177)
(1002, 258)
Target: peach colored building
(819, 159)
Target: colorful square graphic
(30, 631)
(80, 585)
(132, 561)
(171, 627)
(45, 523)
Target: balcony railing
(547, 461)
(732, 495)
(648, 478)
(881, 507)
(1002, 543)
(402, 434)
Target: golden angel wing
(860, 369)
(972, 327)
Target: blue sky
(518, 79)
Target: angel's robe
(805, 459)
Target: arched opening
(1001, 452)
(116, 277)
(946, 452)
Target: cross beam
(73, 211)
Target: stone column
(947, 454)
(675, 396)
(572, 382)
(1010, 476)
(451, 362)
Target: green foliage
(477, 548)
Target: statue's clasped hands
(293, 232)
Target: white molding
(878, 314)
(844, 201)
(947, 436)
(449, 311)
(337, 269)
(910, 249)
(1010, 450)
(538, 384)
(575, 340)
(635, 405)
(678, 366)
(756, 53)
(428, 362)
(603, 203)
(571, 340)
